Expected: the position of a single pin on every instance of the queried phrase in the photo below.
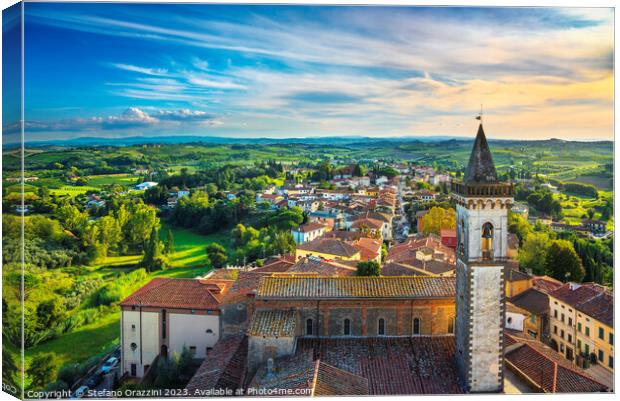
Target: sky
(117, 70)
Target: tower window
(347, 327)
(416, 326)
(381, 329)
(309, 327)
(487, 241)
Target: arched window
(309, 327)
(347, 327)
(416, 326)
(487, 241)
(381, 328)
(451, 325)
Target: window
(561, 347)
(134, 370)
(163, 323)
(587, 331)
(209, 331)
(309, 327)
(587, 349)
(555, 313)
(347, 327)
(487, 241)
(579, 345)
(192, 351)
(533, 319)
(133, 346)
(133, 327)
(579, 327)
(570, 321)
(381, 329)
(451, 325)
(610, 363)
(562, 319)
(208, 350)
(555, 329)
(601, 355)
(562, 333)
(416, 326)
(509, 320)
(611, 338)
(601, 333)
(570, 338)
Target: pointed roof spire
(480, 168)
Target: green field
(189, 247)
(72, 190)
(110, 179)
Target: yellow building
(517, 282)
(582, 324)
(328, 248)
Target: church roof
(480, 168)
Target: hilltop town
(268, 260)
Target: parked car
(108, 365)
(94, 380)
(80, 392)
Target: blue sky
(114, 70)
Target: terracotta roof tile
(532, 300)
(329, 246)
(547, 369)
(357, 287)
(273, 323)
(223, 368)
(179, 293)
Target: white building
(166, 315)
(145, 185)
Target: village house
(582, 324)
(327, 248)
(308, 232)
(166, 315)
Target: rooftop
(329, 246)
(223, 368)
(408, 287)
(546, 369)
(392, 366)
(273, 323)
(181, 293)
(592, 299)
(532, 300)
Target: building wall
(260, 349)
(474, 219)
(435, 316)
(514, 288)
(563, 325)
(515, 321)
(200, 331)
(591, 338)
(141, 329)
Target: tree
(72, 218)
(43, 369)
(50, 312)
(533, 253)
(169, 243)
(438, 218)
(369, 268)
(563, 263)
(142, 220)
(216, 254)
(153, 258)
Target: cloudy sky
(113, 70)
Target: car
(94, 380)
(109, 365)
(80, 392)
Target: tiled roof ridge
(154, 283)
(361, 277)
(572, 369)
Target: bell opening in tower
(487, 241)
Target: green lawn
(109, 179)
(71, 190)
(189, 247)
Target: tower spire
(480, 167)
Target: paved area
(602, 375)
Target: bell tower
(481, 236)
